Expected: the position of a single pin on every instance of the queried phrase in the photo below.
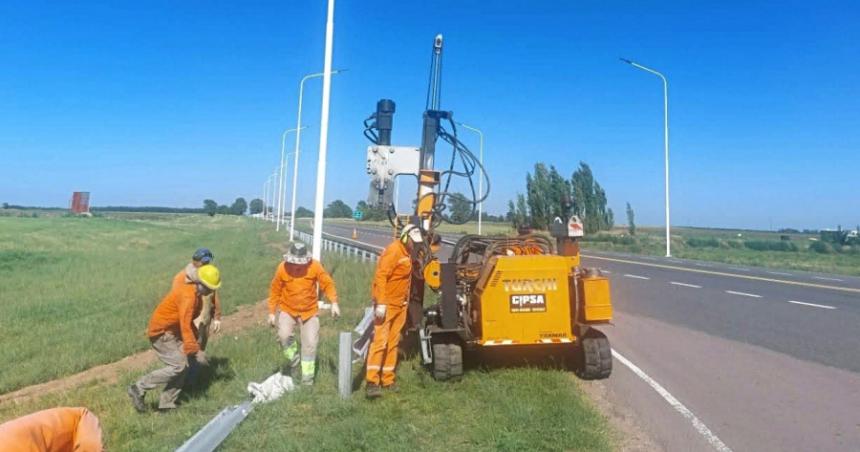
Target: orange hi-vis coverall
(175, 314)
(294, 289)
(391, 288)
(53, 430)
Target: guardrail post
(344, 364)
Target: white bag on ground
(271, 389)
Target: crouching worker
(62, 429)
(293, 304)
(390, 295)
(210, 305)
(171, 333)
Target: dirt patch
(244, 317)
(630, 436)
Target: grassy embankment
(499, 409)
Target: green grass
(755, 248)
(78, 292)
(500, 409)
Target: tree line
(549, 195)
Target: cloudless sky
(167, 103)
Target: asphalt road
(766, 359)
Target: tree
(303, 212)
(256, 206)
(337, 209)
(631, 225)
(223, 210)
(548, 194)
(210, 207)
(461, 208)
(589, 201)
(371, 213)
(521, 213)
(239, 206)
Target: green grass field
(114, 277)
(79, 291)
(756, 248)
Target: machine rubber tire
(596, 357)
(447, 361)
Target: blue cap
(203, 255)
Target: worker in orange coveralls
(53, 430)
(293, 302)
(390, 295)
(210, 309)
(171, 333)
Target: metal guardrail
(344, 246)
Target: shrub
(737, 244)
(701, 242)
(820, 247)
(770, 245)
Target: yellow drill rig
(526, 293)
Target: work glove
(335, 310)
(201, 359)
(216, 326)
(379, 312)
(272, 320)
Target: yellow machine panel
(594, 292)
(524, 300)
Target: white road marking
(700, 426)
(675, 283)
(827, 279)
(743, 294)
(780, 273)
(606, 271)
(822, 306)
(636, 276)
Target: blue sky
(168, 103)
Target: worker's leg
(389, 363)
(287, 339)
(310, 339)
(376, 352)
(169, 350)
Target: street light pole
(270, 193)
(323, 150)
(280, 209)
(298, 142)
(481, 179)
(665, 142)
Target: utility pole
(481, 179)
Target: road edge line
(700, 426)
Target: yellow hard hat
(210, 276)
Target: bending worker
(390, 295)
(62, 429)
(293, 303)
(171, 333)
(210, 310)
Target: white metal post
(665, 143)
(481, 179)
(326, 98)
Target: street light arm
(645, 68)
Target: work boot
(393, 387)
(136, 398)
(374, 391)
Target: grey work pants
(310, 334)
(169, 350)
